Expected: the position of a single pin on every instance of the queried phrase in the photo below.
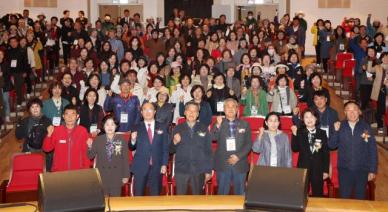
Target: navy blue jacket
(130, 106)
(355, 152)
(193, 154)
(359, 54)
(144, 150)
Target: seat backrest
(181, 120)
(341, 57)
(255, 122)
(349, 68)
(241, 110)
(25, 170)
(334, 168)
(286, 123)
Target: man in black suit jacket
(126, 19)
(234, 144)
(193, 153)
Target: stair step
(9, 126)
(13, 114)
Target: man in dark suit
(151, 141)
(234, 144)
(27, 19)
(193, 153)
(126, 19)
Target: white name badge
(62, 141)
(93, 128)
(326, 129)
(220, 106)
(14, 63)
(378, 54)
(254, 110)
(328, 38)
(57, 121)
(124, 118)
(342, 47)
(230, 144)
(369, 74)
(286, 109)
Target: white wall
(359, 8)
(73, 6)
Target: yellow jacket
(314, 31)
(36, 48)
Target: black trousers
(318, 52)
(19, 80)
(195, 180)
(315, 180)
(381, 108)
(325, 65)
(365, 92)
(66, 52)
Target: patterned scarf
(109, 147)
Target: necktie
(149, 132)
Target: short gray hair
(191, 103)
(231, 100)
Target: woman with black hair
(272, 144)
(307, 93)
(110, 152)
(341, 42)
(106, 51)
(181, 94)
(311, 143)
(218, 93)
(91, 114)
(135, 47)
(282, 97)
(94, 82)
(164, 109)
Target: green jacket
(262, 105)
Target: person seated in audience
(357, 152)
(311, 143)
(243, 67)
(191, 144)
(182, 94)
(204, 78)
(242, 49)
(173, 80)
(93, 81)
(272, 144)
(91, 114)
(367, 76)
(33, 128)
(158, 84)
(68, 143)
(217, 53)
(274, 56)
(247, 74)
(142, 71)
(280, 45)
(110, 152)
(151, 141)
(226, 61)
(309, 89)
(327, 115)
(280, 69)
(268, 69)
(69, 92)
(125, 106)
(379, 90)
(164, 109)
(218, 93)
(233, 137)
(232, 82)
(89, 68)
(54, 106)
(292, 46)
(295, 70)
(282, 97)
(254, 99)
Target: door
(193, 8)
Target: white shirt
(274, 151)
(142, 77)
(152, 125)
(175, 99)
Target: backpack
(36, 136)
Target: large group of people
(162, 86)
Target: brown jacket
(154, 47)
(378, 82)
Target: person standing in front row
(68, 142)
(125, 106)
(311, 143)
(234, 144)
(111, 157)
(150, 139)
(357, 152)
(193, 153)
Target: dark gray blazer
(114, 171)
(243, 146)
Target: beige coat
(377, 82)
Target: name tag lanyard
(281, 102)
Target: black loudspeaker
(79, 190)
(276, 189)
